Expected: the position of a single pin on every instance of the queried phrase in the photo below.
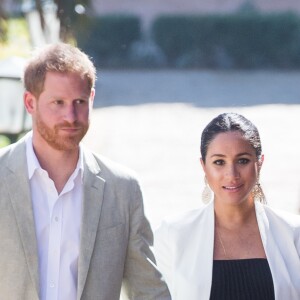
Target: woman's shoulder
(281, 216)
(184, 221)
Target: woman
(235, 247)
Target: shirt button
(56, 219)
(52, 285)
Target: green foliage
(239, 40)
(3, 30)
(109, 38)
(4, 141)
(18, 40)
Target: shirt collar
(33, 163)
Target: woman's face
(231, 168)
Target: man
(72, 224)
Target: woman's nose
(232, 171)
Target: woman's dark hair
(227, 122)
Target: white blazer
(184, 251)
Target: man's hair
(61, 58)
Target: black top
(242, 279)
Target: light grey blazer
(115, 235)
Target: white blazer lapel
(282, 257)
(194, 274)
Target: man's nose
(70, 114)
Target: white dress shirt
(57, 223)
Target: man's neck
(58, 163)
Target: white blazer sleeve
(163, 253)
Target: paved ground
(152, 122)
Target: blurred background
(165, 69)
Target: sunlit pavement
(136, 123)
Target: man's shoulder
(12, 158)
(9, 151)
(107, 166)
(5, 150)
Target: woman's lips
(232, 187)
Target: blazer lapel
(194, 272)
(17, 184)
(93, 189)
(206, 241)
(283, 261)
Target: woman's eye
(219, 162)
(243, 161)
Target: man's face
(61, 113)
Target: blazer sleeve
(141, 280)
(163, 253)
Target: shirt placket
(55, 232)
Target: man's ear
(92, 96)
(29, 102)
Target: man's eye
(79, 101)
(58, 102)
(243, 161)
(219, 162)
